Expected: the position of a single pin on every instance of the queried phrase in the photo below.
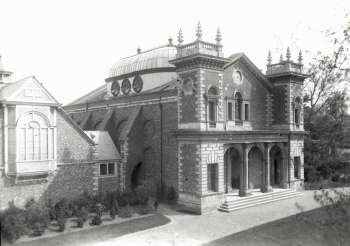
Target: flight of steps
(249, 201)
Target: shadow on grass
(301, 229)
(101, 233)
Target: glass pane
(44, 144)
(211, 111)
(29, 144)
(103, 169)
(229, 111)
(36, 143)
(110, 168)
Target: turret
(5, 75)
(287, 78)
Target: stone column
(267, 165)
(243, 189)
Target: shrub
(51, 210)
(97, 220)
(143, 209)
(172, 195)
(123, 199)
(80, 222)
(13, 223)
(64, 206)
(38, 229)
(125, 212)
(37, 217)
(83, 213)
(113, 212)
(61, 222)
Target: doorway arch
(137, 175)
(276, 166)
(232, 169)
(255, 168)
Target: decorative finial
(170, 39)
(218, 36)
(269, 57)
(288, 56)
(180, 37)
(300, 57)
(281, 58)
(199, 31)
(138, 50)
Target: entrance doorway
(137, 176)
(255, 167)
(232, 170)
(276, 167)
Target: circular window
(126, 87)
(137, 84)
(115, 88)
(237, 77)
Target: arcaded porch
(253, 167)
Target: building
(185, 116)
(44, 153)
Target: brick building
(187, 117)
(44, 153)
(184, 116)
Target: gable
(28, 90)
(248, 85)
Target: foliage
(97, 220)
(64, 207)
(80, 222)
(61, 221)
(143, 209)
(83, 214)
(13, 223)
(37, 217)
(125, 212)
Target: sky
(70, 45)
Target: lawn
(306, 228)
(100, 233)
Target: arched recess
(137, 175)
(35, 137)
(276, 166)
(255, 167)
(144, 173)
(233, 162)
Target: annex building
(182, 116)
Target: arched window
(212, 105)
(297, 111)
(35, 138)
(238, 106)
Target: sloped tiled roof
(105, 148)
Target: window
(246, 111)
(212, 177)
(297, 167)
(238, 108)
(35, 138)
(229, 111)
(212, 106)
(103, 169)
(107, 169)
(297, 109)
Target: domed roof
(150, 59)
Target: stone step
(238, 200)
(229, 206)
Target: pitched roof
(254, 69)
(105, 148)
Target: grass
(100, 233)
(301, 229)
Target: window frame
(228, 111)
(212, 98)
(297, 166)
(246, 111)
(212, 177)
(107, 166)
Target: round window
(137, 84)
(126, 86)
(115, 88)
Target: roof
(105, 148)
(100, 93)
(9, 91)
(150, 59)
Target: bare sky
(69, 45)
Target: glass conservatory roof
(150, 59)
